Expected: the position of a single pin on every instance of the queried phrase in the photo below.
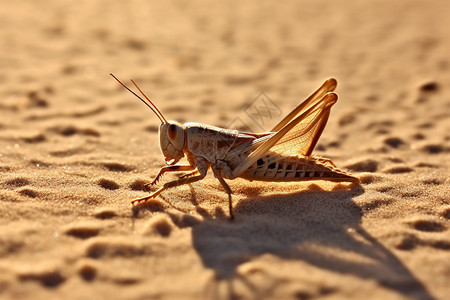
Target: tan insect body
(282, 154)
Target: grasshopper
(282, 154)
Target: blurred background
(204, 61)
(220, 54)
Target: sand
(76, 148)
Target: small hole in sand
(433, 181)
(18, 182)
(368, 178)
(347, 119)
(117, 167)
(375, 203)
(428, 225)
(152, 128)
(159, 224)
(105, 213)
(364, 165)
(431, 86)
(407, 242)
(184, 220)
(432, 148)
(108, 184)
(35, 100)
(35, 138)
(394, 142)
(397, 170)
(135, 44)
(47, 277)
(419, 136)
(446, 213)
(138, 185)
(88, 271)
(109, 247)
(82, 231)
(153, 205)
(29, 192)
(425, 165)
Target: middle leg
(218, 175)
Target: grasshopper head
(172, 141)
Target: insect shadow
(303, 226)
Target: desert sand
(76, 148)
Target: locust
(281, 154)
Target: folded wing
(327, 87)
(299, 134)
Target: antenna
(149, 100)
(160, 116)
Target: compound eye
(172, 131)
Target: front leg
(202, 167)
(170, 169)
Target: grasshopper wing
(328, 86)
(299, 136)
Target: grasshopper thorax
(172, 141)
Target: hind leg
(218, 175)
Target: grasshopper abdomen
(295, 168)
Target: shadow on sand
(305, 226)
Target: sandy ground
(76, 148)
